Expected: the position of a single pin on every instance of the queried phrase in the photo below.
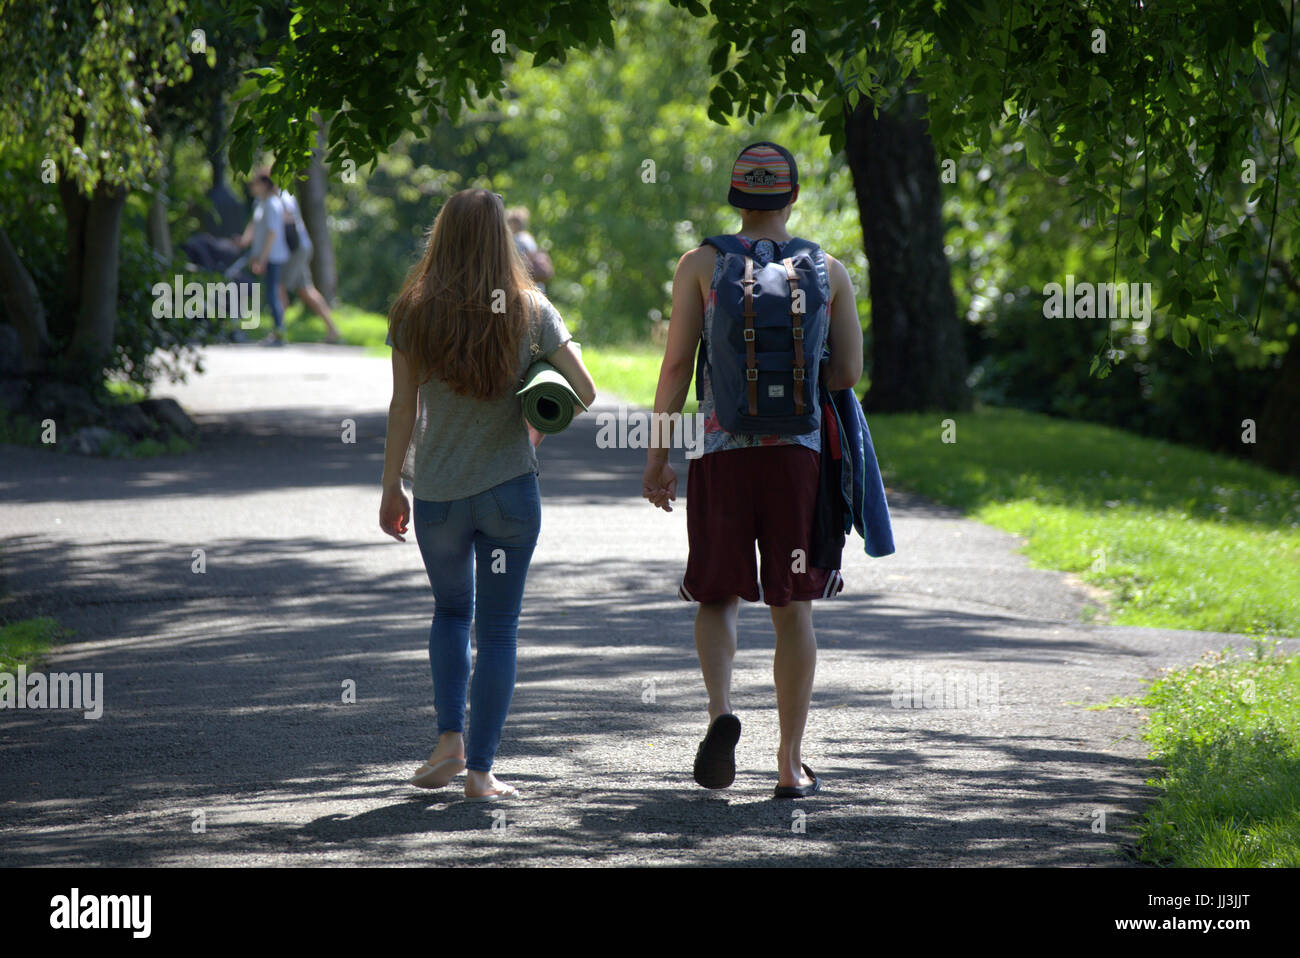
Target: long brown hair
(445, 311)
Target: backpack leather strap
(796, 329)
(751, 359)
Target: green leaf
(1276, 14)
(1035, 147)
(1245, 30)
(246, 89)
(547, 51)
(718, 58)
(831, 108)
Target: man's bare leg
(715, 643)
(793, 667)
(316, 303)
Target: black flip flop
(800, 791)
(715, 759)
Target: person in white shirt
(270, 251)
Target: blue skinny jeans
(476, 552)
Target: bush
(1026, 361)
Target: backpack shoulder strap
(727, 244)
(800, 245)
(723, 244)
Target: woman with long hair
(464, 329)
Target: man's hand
(257, 266)
(659, 485)
(394, 512)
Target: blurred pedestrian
(535, 258)
(297, 272)
(269, 248)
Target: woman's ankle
(451, 742)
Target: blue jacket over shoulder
(860, 479)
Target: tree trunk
(311, 201)
(918, 358)
(1277, 437)
(160, 234)
(23, 305)
(75, 209)
(157, 228)
(96, 318)
(227, 214)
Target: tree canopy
(1172, 124)
(380, 67)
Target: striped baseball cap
(763, 178)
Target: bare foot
(483, 786)
(446, 762)
(789, 772)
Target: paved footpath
(223, 691)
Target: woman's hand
(659, 484)
(394, 512)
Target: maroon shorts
(763, 494)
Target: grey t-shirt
(462, 446)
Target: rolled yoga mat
(548, 398)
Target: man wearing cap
(751, 488)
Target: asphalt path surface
(226, 739)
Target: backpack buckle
(799, 375)
(798, 332)
(749, 335)
(751, 375)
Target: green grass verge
(1180, 537)
(1226, 733)
(632, 373)
(18, 430)
(629, 373)
(121, 448)
(357, 327)
(27, 642)
(124, 392)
